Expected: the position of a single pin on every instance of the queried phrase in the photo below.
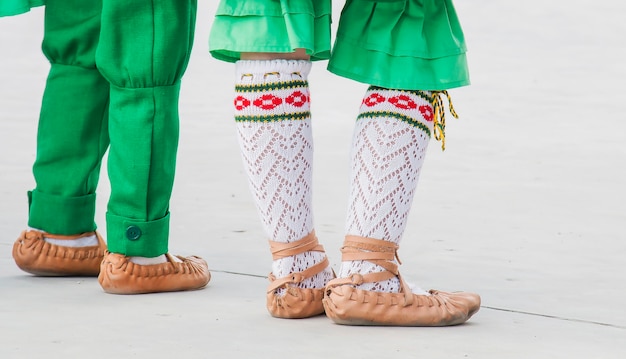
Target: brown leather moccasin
(36, 256)
(295, 302)
(348, 305)
(118, 275)
(344, 303)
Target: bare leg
(299, 54)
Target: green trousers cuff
(136, 238)
(60, 214)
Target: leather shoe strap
(281, 250)
(308, 243)
(299, 277)
(376, 251)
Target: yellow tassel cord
(440, 115)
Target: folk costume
(409, 52)
(16, 7)
(114, 84)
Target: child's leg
(409, 45)
(72, 138)
(274, 129)
(273, 42)
(72, 135)
(143, 52)
(390, 140)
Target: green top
(16, 7)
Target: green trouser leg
(143, 52)
(72, 135)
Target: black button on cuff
(133, 233)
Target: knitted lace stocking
(389, 144)
(274, 129)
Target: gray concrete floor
(525, 207)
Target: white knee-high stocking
(389, 145)
(274, 130)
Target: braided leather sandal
(296, 302)
(345, 304)
(34, 255)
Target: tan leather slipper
(295, 302)
(118, 275)
(344, 303)
(34, 255)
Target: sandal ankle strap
(307, 243)
(376, 251)
(281, 250)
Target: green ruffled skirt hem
(16, 7)
(398, 72)
(271, 26)
(407, 44)
(401, 44)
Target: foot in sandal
(299, 293)
(379, 296)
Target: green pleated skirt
(399, 44)
(16, 7)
